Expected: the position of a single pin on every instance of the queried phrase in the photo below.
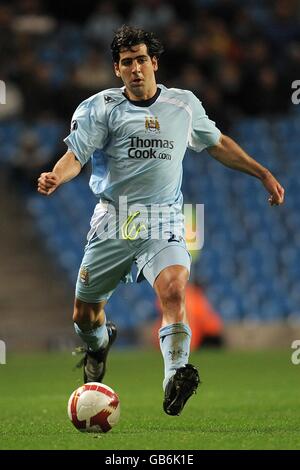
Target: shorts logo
(84, 275)
(174, 238)
(152, 124)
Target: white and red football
(94, 407)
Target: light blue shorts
(108, 261)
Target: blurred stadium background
(240, 58)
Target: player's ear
(154, 63)
(117, 71)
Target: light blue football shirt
(137, 148)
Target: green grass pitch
(248, 400)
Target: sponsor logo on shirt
(150, 148)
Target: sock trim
(173, 329)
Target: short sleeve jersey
(137, 148)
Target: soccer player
(137, 136)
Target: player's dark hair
(128, 36)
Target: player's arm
(89, 131)
(228, 152)
(65, 169)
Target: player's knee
(173, 294)
(82, 318)
(85, 315)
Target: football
(94, 407)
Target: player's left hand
(274, 188)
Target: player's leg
(168, 271)
(98, 335)
(181, 378)
(91, 325)
(170, 287)
(106, 261)
(89, 320)
(175, 333)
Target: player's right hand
(48, 183)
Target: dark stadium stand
(240, 58)
(250, 263)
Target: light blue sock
(175, 343)
(94, 339)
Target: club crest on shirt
(152, 124)
(84, 275)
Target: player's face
(137, 70)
